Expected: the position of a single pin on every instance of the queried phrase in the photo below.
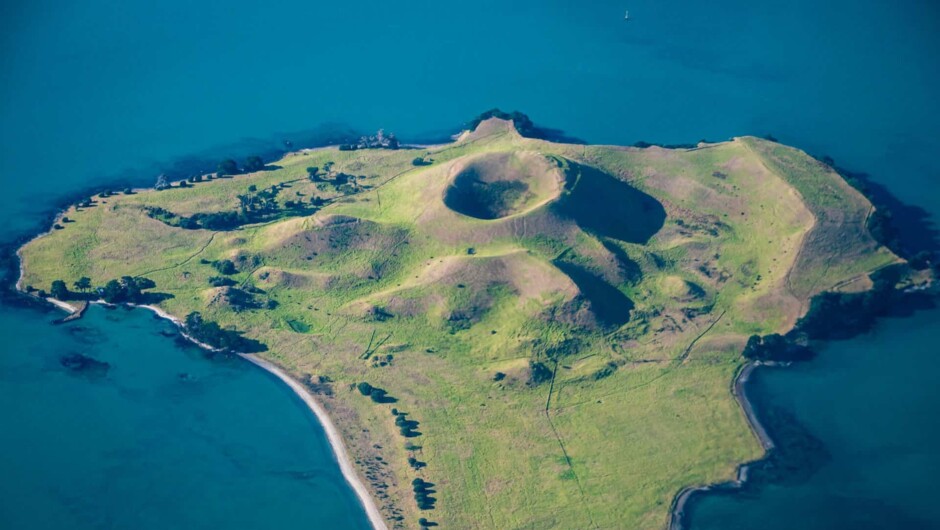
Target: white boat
(626, 16)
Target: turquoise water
(96, 91)
(869, 400)
(166, 438)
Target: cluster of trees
(210, 333)
(379, 140)
(344, 182)
(211, 221)
(523, 123)
(423, 490)
(221, 281)
(128, 289)
(376, 394)
(775, 347)
(421, 161)
(215, 221)
(407, 428)
(253, 207)
(230, 166)
(241, 300)
(224, 266)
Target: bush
(212, 334)
(254, 163)
(228, 167)
(379, 395)
(775, 347)
(219, 281)
(225, 266)
(538, 373)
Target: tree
(131, 289)
(364, 388)
(228, 167)
(538, 373)
(225, 266)
(312, 173)
(58, 290)
(83, 284)
(113, 292)
(254, 163)
(162, 183)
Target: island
(500, 331)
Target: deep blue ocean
(96, 92)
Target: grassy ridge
(447, 311)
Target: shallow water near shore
(94, 93)
(163, 437)
(864, 399)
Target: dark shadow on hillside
(608, 207)
(610, 306)
(472, 196)
(628, 268)
(904, 228)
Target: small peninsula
(506, 332)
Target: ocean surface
(99, 92)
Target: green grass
(747, 229)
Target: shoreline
(332, 433)
(677, 511)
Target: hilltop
(508, 332)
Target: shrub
(228, 167)
(59, 290)
(212, 334)
(254, 163)
(538, 373)
(225, 266)
(220, 281)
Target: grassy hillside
(562, 321)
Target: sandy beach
(332, 434)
